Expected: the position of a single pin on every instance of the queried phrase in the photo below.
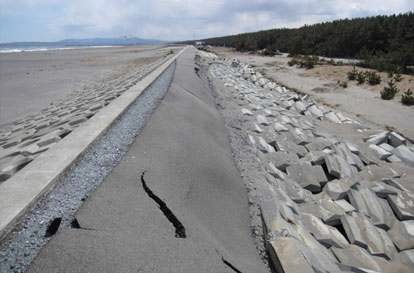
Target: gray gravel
(23, 245)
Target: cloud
(178, 19)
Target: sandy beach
(30, 81)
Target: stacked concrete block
(325, 234)
(402, 234)
(26, 138)
(366, 201)
(405, 154)
(389, 207)
(264, 147)
(338, 167)
(392, 147)
(356, 259)
(283, 159)
(333, 205)
(402, 204)
(310, 177)
(360, 231)
(337, 189)
(11, 164)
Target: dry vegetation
(330, 73)
(340, 73)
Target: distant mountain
(123, 41)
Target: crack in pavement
(76, 225)
(227, 263)
(179, 227)
(53, 227)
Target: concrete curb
(21, 192)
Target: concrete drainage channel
(57, 208)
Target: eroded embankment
(334, 195)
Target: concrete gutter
(23, 190)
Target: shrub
(373, 78)
(360, 78)
(343, 84)
(314, 60)
(388, 93)
(407, 98)
(267, 52)
(352, 75)
(293, 62)
(308, 62)
(397, 77)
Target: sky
(172, 20)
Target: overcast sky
(49, 20)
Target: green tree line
(382, 42)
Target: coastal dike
(206, 165)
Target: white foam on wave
(10, 50)
(15, 50)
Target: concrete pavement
(189, 170)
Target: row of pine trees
(383, 42)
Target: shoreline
(40, 49)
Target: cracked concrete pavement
(188, 164)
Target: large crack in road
(179, 227)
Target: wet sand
(30, 81)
